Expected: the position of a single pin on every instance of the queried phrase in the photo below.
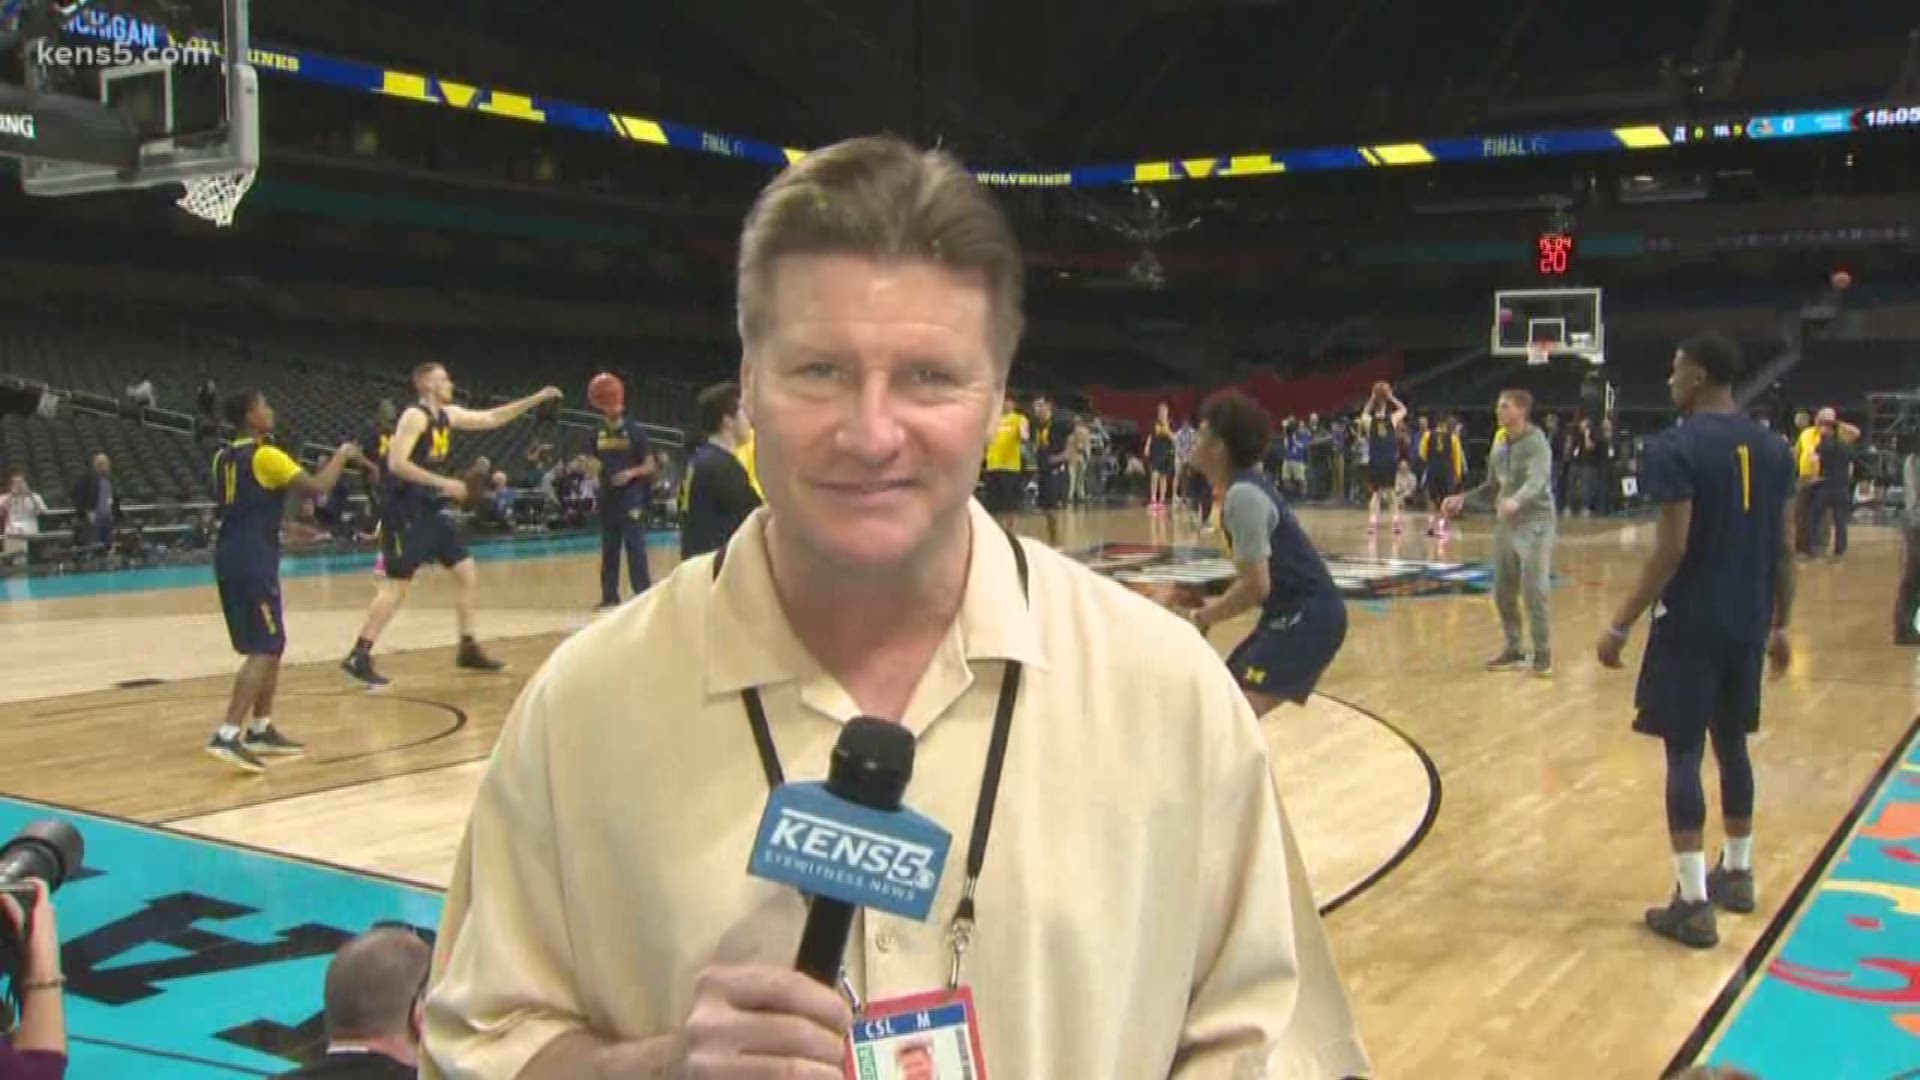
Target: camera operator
(36, 1049)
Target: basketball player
(1303, 620)
(1003, 464)
(380, 437)
(251, 481)
(1520, 485)
(415, 527)
(1722, 573)
(1906, 604)
(717, 495)
(1052, 437)
(1159, 454)
(626, 478)
(1381, 423)
(1446, 465)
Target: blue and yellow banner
(439, 90)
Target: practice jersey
(1444, 457)
(1003, 450)
(1162, 442)
(1258, 525)
(1836, 461)
(620, 447)
(1050, 439)
(1739, 478)
(430, 452)
(716, 498)
(750, 461)
(250, 495)
(1383, 442)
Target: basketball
(605, 393)
(1381, 390)
(1842, 280)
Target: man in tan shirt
(1142, 910)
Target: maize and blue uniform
(250, 491)
(415, 528)
(716, 498)
(623, 509)
(1050, 438)
(1446, 463)
(1706, 652)
(1160, 456)
(1303, 622)
(1383, 453)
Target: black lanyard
(963, 916)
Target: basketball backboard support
(1570, 321)
(179, 141)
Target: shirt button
(887, 941)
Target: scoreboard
(1800, 125)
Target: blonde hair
(884, 199)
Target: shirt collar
(996, 621)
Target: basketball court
(1483, 843)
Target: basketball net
(1539, 353)
(215, 198)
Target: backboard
(1572, 321)
(122, 101)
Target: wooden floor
(1507, 943)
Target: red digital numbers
(1556, 254)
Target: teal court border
(1819, 994)
(147, 579)
(188, 957)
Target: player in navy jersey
(717, 495)
(1720, 582)
(251, 481)
(1051, 434)
(415, 528)
(1381, 423)
(1303, 620)
(626, 482)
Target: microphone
(849, 843)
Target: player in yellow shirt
(1003, 463)
(745, 453)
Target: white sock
(227, 731)
(1690, 870)
(1738, 854)
(260, 724)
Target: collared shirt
(1143, 911)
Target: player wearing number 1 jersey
(251, 480)
(1722, 573)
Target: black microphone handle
(823, 944)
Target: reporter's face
(871, 399)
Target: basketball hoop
(214, 198)
(1539, 353)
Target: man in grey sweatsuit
(1519, 485)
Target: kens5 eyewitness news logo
(886, 860)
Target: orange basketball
(1381, 389)
(605, 393)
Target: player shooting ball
(1381, 423)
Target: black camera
(49, 850)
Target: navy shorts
(411, 543)
(1383, 477)
(1053, 487)
(1002, 495)
(1287, 652)
(1162, 464)
(251, 604)
(1691, 681)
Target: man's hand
(452, 488)
(1509, 507)
(1609, 648)
(43, 945)
(349, 451)
(1452, 505)
(1779, 652)
(625, 476)
(764, 1021)
(551, 393)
